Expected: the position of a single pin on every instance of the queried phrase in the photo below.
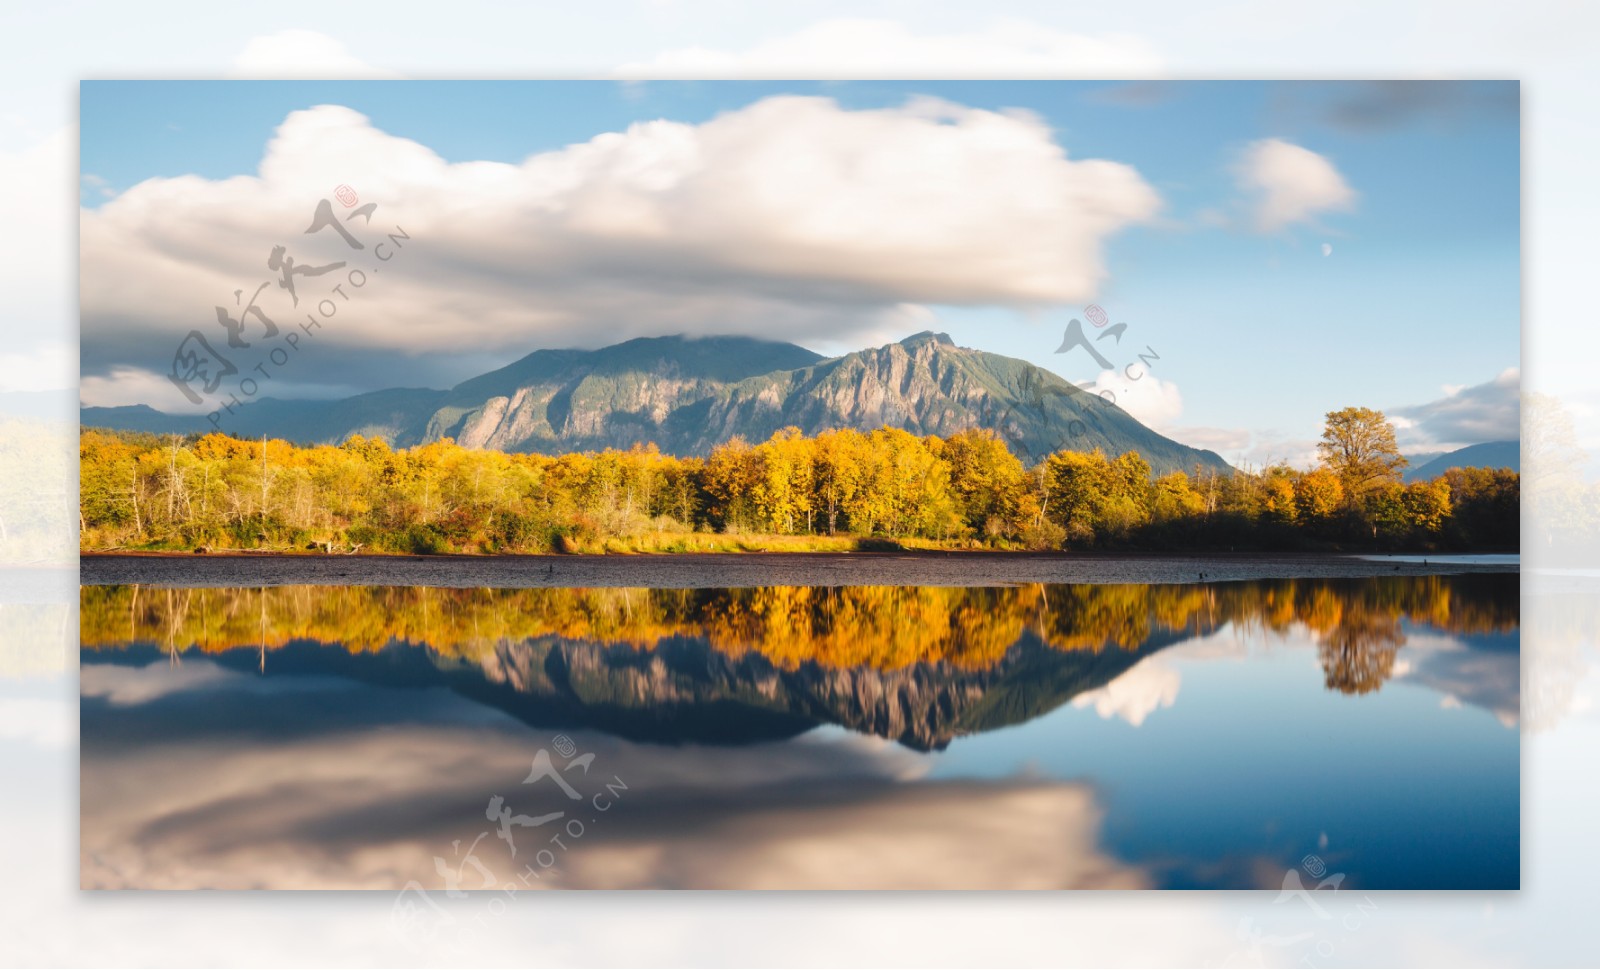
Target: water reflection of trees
(1358, 654)
(1357, 623)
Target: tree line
(885, 487)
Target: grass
(658, 542)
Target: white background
(45, 50)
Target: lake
(1354, 733)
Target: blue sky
(1258, 332)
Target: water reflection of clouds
(940, 835)
(1469, 671)
(358, 767)
(124, 686)
(1149, 685)
(370, 808)
(363, 789)
(1482, 671)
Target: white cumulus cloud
(1154, 402)
(790, 218)
(1288, 184)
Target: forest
(839, 490)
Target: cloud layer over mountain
(1491, 411)
(791, 217)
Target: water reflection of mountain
(919, 665)
(685, 690)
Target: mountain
(389, 414)
(684, 691)
(689, 395)
(1417, 460)
(1490, 454)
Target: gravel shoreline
(690, 570)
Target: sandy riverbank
(685, 570)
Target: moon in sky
(1327, 249)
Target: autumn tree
(989, 483)
(840, 474)
(1484, 506)
(909, 492)
(1279, 503)
(1130, 495)
(1427, 506)
(785, 488)
(1318, 494)
(218, 491)
(1077, 487)
(1175, 499)
(1383, 512)
(732, 474)
(108, 486)
(1358, 445)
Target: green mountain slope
(690, 395)
(1489, 454)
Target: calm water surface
(1032, 736)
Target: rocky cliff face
(924, 384)
(690, 395)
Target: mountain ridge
(688, 395)
(1487, 454)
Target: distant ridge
(688, 395)
(1489, 454)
